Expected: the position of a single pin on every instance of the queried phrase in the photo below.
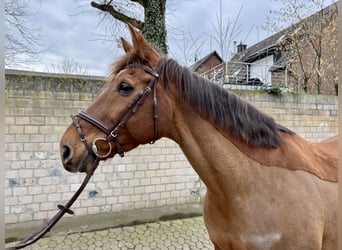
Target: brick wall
(38, 108)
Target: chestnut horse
(267, 188)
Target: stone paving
(187, 233)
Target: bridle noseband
(113, 130)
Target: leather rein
(93, 149)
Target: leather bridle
(111, 136)
(113, 130)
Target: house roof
(259, 49)
(200, 62)
(268, 45)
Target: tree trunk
(154, 28)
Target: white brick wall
(150, 176)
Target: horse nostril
(66, 154)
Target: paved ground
(187, 233)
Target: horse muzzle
(100, 149)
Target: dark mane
(228, 111)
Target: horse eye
(124, 88)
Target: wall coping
(53, 75)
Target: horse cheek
(140, 131)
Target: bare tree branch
(107, 7)
(21, 40)
(189, 47)
(308, 36)
(226, 32)
(67, 66)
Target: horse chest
(263, 219)
(265, 241)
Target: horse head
(124, 115)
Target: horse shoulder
(322, 157)
(296, 153)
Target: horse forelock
(228, 111)
(128, 58)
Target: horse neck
(219, 163)
(223, 162)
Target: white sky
(71, 35)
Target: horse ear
(126, 46)
(143, 49)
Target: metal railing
(239, 75)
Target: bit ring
(95, 148)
